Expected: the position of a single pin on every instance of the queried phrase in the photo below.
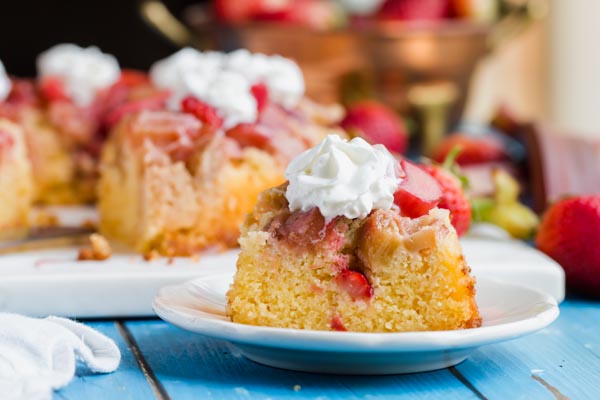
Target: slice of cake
(171, 184)
(15, 181)
(329, 250)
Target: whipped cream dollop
(340, 177)
(5, 83)
(282, 76)
(83, 71)
(224, 81)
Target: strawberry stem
(450, 159)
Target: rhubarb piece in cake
(16, 185)
(329, 249)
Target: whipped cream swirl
(202, 75)
(340, 177)
(224, 81)
(5, 83)
(83, 71)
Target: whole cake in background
(66, 113)
(16, 183)
(352, 241)
(180, 180)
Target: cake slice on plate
(329, 249)
(15, 181)
(181, 180)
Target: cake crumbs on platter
(170, 261)
(89, 223)
(151, 255)
(195, 258)
(99, 249)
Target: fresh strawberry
(453, 198)
(260, 91)
(250, 135)
(569, 233)
(52, 89)
(355, 284)
(414, 10)
(23, 92)
(233, 11)
(132, 78)
(418, 191)
(473, 150)
(201, 110)
(316, 14)
(378, 124)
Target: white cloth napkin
(39, 355)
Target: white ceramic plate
(508, 311)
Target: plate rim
(386, 342)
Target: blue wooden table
(163, 362)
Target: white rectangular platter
(52, 282)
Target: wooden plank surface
(190, 366)
(561, 362)
(127, 383)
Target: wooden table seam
(157, 388)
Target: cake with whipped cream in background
(16, 181)
(331, 249)
(66, 113)
(179, 180)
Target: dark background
(29, 27)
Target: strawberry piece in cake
(16, 184)
(329, 250)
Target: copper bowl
(389, 58)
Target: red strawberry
(52, 89)
(261, 94)
(250, 135)
(355, 284)
(131, 78)
(473, 150)
(155, 102)
(453, 198)
(378, 124)
(233, 11)
(6, 140)
(337, 324)
(412, 10)
(418, 191)
(569, 233)
(23, 92)
(201, 110)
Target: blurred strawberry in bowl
(569, 233)
(415, 10)
(473, 149)
(376, 123)
(233, 11)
